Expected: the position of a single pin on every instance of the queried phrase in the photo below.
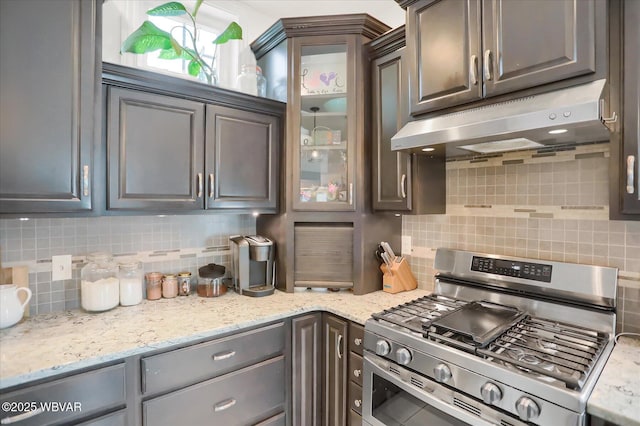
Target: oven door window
(392, 406)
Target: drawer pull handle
(357, 403)
(210, 185)
(20, 417)
(85, 180)
(473, 70)
(221, 406)
(199, 190)
(630, 171)
(357, 341)
(357, 373)
(223, 355)
(487, 64)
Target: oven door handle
(374, 364)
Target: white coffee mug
(11, 310)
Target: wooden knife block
(398, 278)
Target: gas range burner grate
(549, 350)
(420, 312)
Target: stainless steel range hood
(571, 115)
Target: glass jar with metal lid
(169, 286)
(130, 282)
(100, 284)
(184, 283)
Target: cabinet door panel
(242, 159)
(559, 35)
(307, 367)
(391, 171)
(47, 99)
(323, 255)
(631, 111)
(155, 151)
(335, 369)
(443, 37)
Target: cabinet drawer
(356, 338)
(277, 420)
(81, 395)
(355, 397)
(119, 418)
(242, 397)
(355, 368)
(186, 366)
(355, 419)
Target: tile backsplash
(540, 204)
(162, 243)
(549, 205)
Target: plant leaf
(173, 8)
(195, 9)
(172, 54)
(147, 38)
(232, 32)
(194, 68)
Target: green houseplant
(148, 38)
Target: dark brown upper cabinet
(175, 145)
(463, 50)
(155, 149)
(401, 182)
(49, 86)
(326, 228)
(242, 159)
(624, 167)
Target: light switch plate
(61, 267)
(406, 245)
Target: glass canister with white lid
(131, 282)
(100, 284)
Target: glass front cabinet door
(323, 101)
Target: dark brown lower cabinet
(335, 334)
(306, 374)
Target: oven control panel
(512, 268)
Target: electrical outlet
(406, 245)
(61, 267)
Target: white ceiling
(386, 11)
(263, 13)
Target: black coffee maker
(254, 268)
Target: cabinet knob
(357, 373)
(357, 341)
(357, 403)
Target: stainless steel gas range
(501, 341)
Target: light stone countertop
(616, 396)
(50, 344)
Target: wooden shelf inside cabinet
(323, 114)
(342, 146)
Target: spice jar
(130, 283)
(154, 285)
(184, 283)
(169, 286)
(100, 285)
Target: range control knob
(383, 347)
(527, 408)
(403, 356)
(491, 393)
(442, 373)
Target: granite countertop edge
(616, 396)
(20, 342)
